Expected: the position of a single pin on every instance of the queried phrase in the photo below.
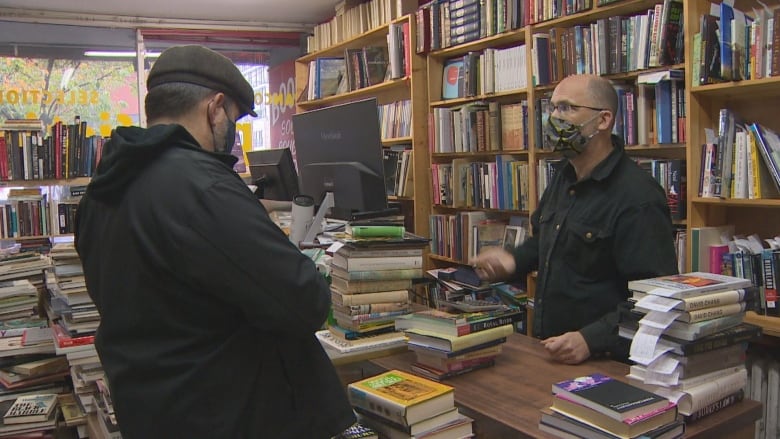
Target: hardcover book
(678, 286)
(445, 342)
(458, 324)
(401, 397)
(452, 79)
(564, 426)
(420, 428)
(727, 337)
(616, 399)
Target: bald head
(598, 91)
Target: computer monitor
(273, 172)
(339, 150)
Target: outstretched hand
(494, 264)
(569, 348)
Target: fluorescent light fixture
(117, 54)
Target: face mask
(566, 137)
(230, 136)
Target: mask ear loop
(581, 147)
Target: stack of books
(599, 406)
(29, 415)
(371, 278)
(400, 405)
(71, 305)
(689, 340)
(451, 344)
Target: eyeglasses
(565, 107)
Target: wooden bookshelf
(79, 181)
(753, 100)
(411, 87)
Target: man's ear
(606, 120)
(214, 106)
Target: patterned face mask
(566, 137)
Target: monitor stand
(315, 227)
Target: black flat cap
(202, 66)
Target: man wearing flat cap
(208, 312)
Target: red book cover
(64, 340)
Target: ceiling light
(117, 54)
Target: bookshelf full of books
(492, 67)
(367, 50)
(44, 171)
(732, 143)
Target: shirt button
(589, 235)
(571, 192)
(557, 227)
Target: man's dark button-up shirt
(590, 237)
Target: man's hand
(494, 264)
(569, 348)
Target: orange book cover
(401, 397)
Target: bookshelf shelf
(493, 97)
(769, 325)
(771, 203)
(740, 90)
(455, 155)
(625, 7)
(370, 91)
(376, 35)
(482, 209)
(397, 141)
(415, 206)
(79, 181)
(445, 259)
(508, 38)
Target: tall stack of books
(599, 406)
(401, 405)
(371, 278)
(689, 340)
(451, 344)
(73, 309)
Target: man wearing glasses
(601, 222)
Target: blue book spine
(663, 104)
(726, 64)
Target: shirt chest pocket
(588, 250)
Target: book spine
(379, 264)
(715, 312)
(716, 406)
(379, 406)
(369, 298)
(480, 337)
(473, 327)
(405, 273)
(713, 300)
(378, 231)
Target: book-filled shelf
(732, 149)
(492, 67)
(43, 173)
(376, 58)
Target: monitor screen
(273, 172)
(339, 150)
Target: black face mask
(230, 135)
(566, 137)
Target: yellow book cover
(401, 397)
